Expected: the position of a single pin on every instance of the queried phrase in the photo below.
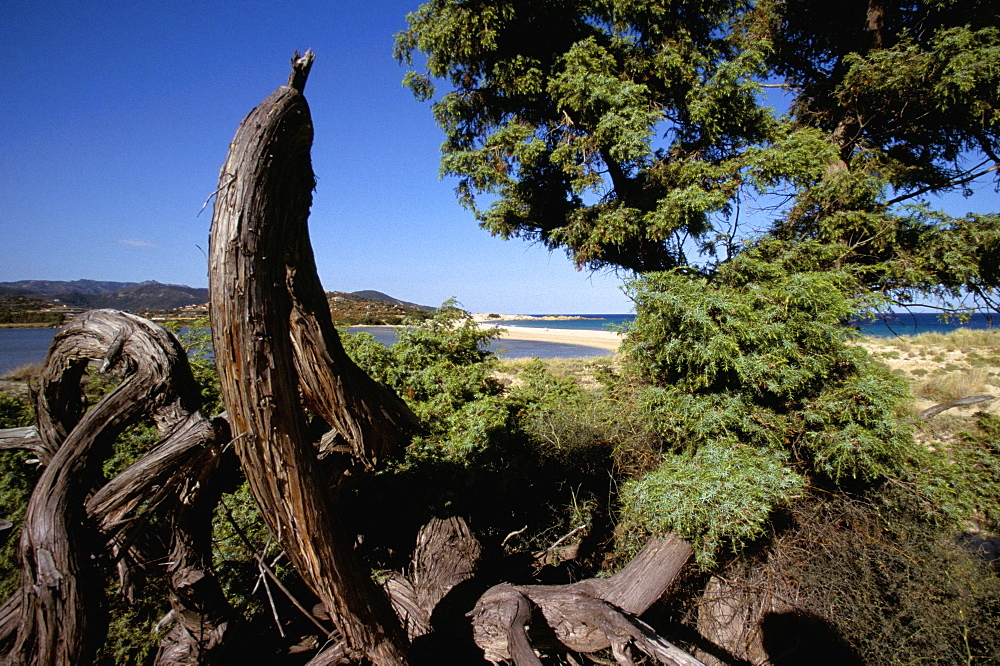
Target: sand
(599, 339)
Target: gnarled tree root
(510, 621)
(52, 618)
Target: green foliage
(15, 412)
(34, 318)
(634, 134)
(720, 496)
(530, 458)
(18, 474)
(751, 384)
(132, 637)
(558, 109)
(197, 340)
(571, 426)
(441, 368)
(239, 537)
(858, 429)
(134, 441)
(760, 355)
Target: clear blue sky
(116, 117)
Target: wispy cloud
(135, 242)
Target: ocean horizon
(887, 325)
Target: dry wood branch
(262, 280)
(58, 589)
(25, 438)
(199, 610)
(931, 412)
(588, 616)
(499, 624)
(370, 418)
(446, 555)
(645, 578)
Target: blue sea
(888, 325)
(23, 346)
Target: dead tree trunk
(273, 339)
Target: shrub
(441, 367)
(721, 496)
(15, 412)
(749, 380)
(898, 587)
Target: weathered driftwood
(445, 556)
(25, 437)
(200, 613)
(931, 412)
(51, 619)
(587, 616)
(272, 340)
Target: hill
(52, 302)
(370, 307)
(372, 295)
(90, 294)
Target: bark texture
(446, 555)
(277, 353)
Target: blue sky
(116, 117)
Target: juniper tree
(762, 171)
(639, 135)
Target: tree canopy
(669, 134)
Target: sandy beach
(600, 339)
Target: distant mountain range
(147, 296)
(89, 294)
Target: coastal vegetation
(541, 448)
(748, 475)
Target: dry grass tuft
(24, 373)
(954, 385)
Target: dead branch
(931, 412)
(25, 438)
(60, 589)
(588, 616)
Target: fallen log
(587, 616)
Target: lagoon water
(22, 346)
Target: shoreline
(493, 318)
(600, 339)
(605, 340)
